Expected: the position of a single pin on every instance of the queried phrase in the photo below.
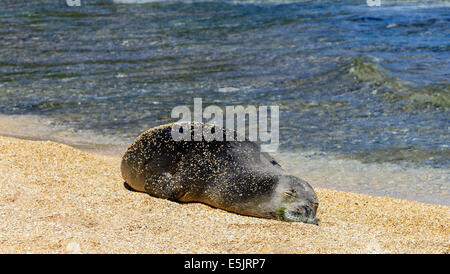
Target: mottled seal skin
(231, 175)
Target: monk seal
(231, 175)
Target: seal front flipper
(164, 186)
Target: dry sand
(57, 199)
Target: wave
(366, 74)
(392, 88)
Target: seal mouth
(293, 216)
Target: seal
(231, 175)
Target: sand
(57, 199)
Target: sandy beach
(57, 199)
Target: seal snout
(305, 214)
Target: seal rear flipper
(164, 186)
(128, 187)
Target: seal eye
(289, 194)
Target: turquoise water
(353, 82)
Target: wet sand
(57, 199)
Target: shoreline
(58, 199)
(415, 183)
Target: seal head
(294, 200)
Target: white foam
(227, 89)
(40, 128)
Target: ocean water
(363, 91)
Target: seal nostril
(301, 211)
